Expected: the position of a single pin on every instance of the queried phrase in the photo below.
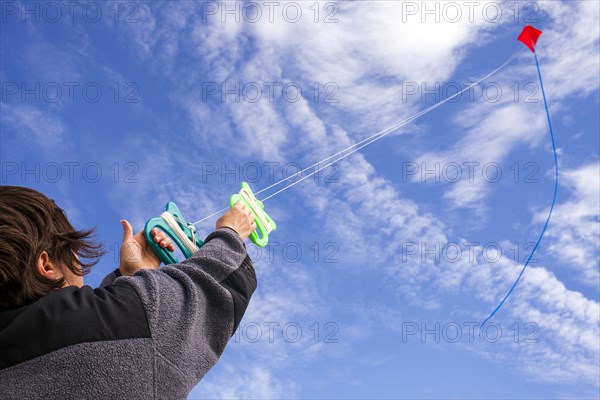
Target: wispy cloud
(242, 380)
(35, 126)
(576, 223)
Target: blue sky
(382, 266)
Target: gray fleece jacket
(152, 335)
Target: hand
(240, 219)
(135, 252)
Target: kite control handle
(264, 223)
(183, 234)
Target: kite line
(529, 37)
(365, 142)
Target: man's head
(40, 251)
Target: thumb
(127, 230)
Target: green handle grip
(264, 223)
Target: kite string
(382, 133)
(397, 125)
(551, 205)
(387, 131)
(365, 142)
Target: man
(146, 333)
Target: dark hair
(31, 223)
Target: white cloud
(568, 322)
(566, 50)
(575, 226)
(35, 126)
(493, 130)
(242, 381)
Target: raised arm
(193, 308)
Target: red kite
(529, 37)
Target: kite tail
(551, 205)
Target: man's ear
(47, 268)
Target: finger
(244, 209)
(165, 238)
(127, 230)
